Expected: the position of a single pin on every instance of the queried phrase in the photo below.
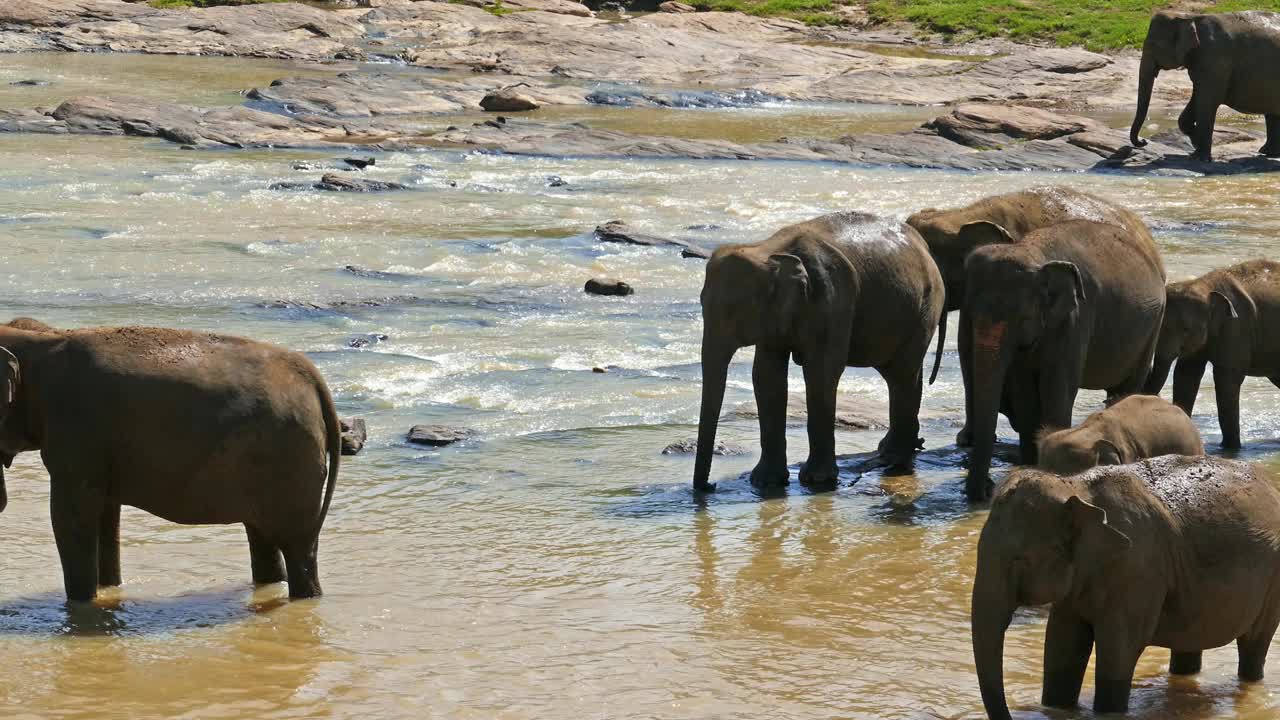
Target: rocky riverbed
(1021, 108)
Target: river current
(556, 565)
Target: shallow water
(557, 566)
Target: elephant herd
(1125, 527)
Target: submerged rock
(437, 435)
(332, 182)
(354, 434)
(366, 340)
(617, 231)
(30, 83)
(607, 286)
(689, 446)
(360, 163)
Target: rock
(508, 100)
(354, 434)
(675, 6)
(360, 163)
(993, 126)
(602, 286)
(332, 182)
(562, 7)
(555, 181)
(616, 231)
(30, 83)
(599, 370)
(437, 435)
(689, 446)
(366, 340)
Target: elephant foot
(1184, 663)
(704, 486)
(1201, 156)
(767, 477)
(1230, 444)
(819, 474)
(899, 454)
(978, 489)
(964, 438)
(1269, 151)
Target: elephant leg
(769, 379)
(906, 385)
(1184, 663)
(76, 513)
(1028, 400)
(109, 546)
(1226, 386)
(1206, 117)
(964, 345)
(1253, 649)
(1275, 380)
(300, 560)
(821, 379)
(1187, 374)
(1068, 641)
(1187, 120)
(265, 558)
(1272, 148)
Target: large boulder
(354, 434)
(508, 100)
(437, 435)
(607, 286)
(992, 126)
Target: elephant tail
(937, 354)
(333, 441)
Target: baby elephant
(1176, 552)
(1229, 317)
(1137, 427)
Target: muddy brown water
(557, 566)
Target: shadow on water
(109, 614)
(931, 490)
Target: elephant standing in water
(953, 234)
(1133, 429)
(194, 428)
(1231, 318)
(1076, 305)
(1232, 59)
(841, 289)
(1176, 552)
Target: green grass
(1095, 24)
(205, 3)
(813, 12)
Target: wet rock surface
(332, 182)
(437, 435)
(617, 231)
(689, 446)
(608, 286)
(354, 434)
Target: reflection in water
(557, 566)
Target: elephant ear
(1097, 543)
(1061, 289)
(983, 232)
(1188, 39)
(1107, 453)
(790, 285)
(1232, 324)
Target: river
(557, 565)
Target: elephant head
(8, 395)
(750, 297)
(1197, 316)
(1041, 542)
(1074, 450)
(951, 236)
(1171, 39)
(1014, 297)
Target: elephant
(1176, 552)
(1134, 428)
(953, 234)
(26, 323)
(842, 289)
(1231, 58)
(1075, 305)
(195, 428)
(1229, 317)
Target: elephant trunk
(1159, 374)
(1146, 82)
(991, 356)
(990, 612)
(715, 370)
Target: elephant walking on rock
(1175, 552)
(846, 289)
(1231, 318)
(952, 234)
(1232, 59)
(1076, 305)
(192, 427)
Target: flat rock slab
(689, 446)
(354, 434)
(437, 435)
(617, 231)
(332, 182)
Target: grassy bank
(1095, 24)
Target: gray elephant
(1129, 556)
(842, 289)
(1076, 305)
(191, 427)
(1229, 317)
(1135, 428)
(1232, 60)
(952, 234)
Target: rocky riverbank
(1030, 109)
